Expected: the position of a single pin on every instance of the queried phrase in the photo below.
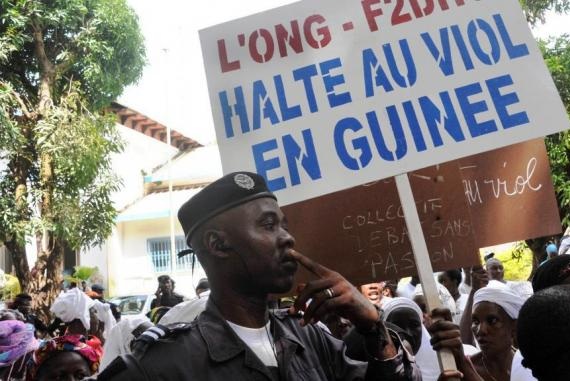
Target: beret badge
(244, 181)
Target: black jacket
(208, 349)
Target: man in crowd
(495, 270)
(203, 288)
(97, 293)
(451, 280)
(544, 333)
(23, 303)
(241, 238)
(165, 295)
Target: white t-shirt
(460, 307)
(259, 340)
(518, 371)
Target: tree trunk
(46, 280)
(20, 262)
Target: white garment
(406, 290)
(104, 314)
(521, 288)
(518, 371)
(119, 341)
(73, 304)
(259, 340)
(444, 296)
(426, 358)
(185, 312)
(460, 307)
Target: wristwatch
(376, 337)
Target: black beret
(223, 194)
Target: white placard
(319, 96)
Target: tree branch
(47, 69)
(25, 110)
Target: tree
(61, 63)
(556, 54)
(536, 9)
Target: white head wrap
(426, 358)
(498, 293)
(444, 296)
(104, 314)
(395, 303)
(71, 305)
(119, 339)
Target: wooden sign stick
(421, 255)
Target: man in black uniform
(241, 238)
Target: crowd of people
(236, 329)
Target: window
(159, 251)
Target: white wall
(131, 268)
(142, 153)
(96, 257)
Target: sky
(173, 89)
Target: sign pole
(421, 255)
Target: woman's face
(409, 321)
(64, 366)
(492, 327)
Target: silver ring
(330, 293)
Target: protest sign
(510, 194)
(320, 96)
(486, 199)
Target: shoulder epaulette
(154, 334)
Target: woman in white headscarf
(105, 316)
(73, 308)
(83, 315)
(408, 316)
(495, 312)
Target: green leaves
(536, 9)
(556, 54)
(96, 49)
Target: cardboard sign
(320, 96)
(510, 194)
(361, 232)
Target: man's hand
(479, 278)
(331, 292)
(446, 334)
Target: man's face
(25, 307)
(495, 270)
(260, 245)
(373, 292)
(448, 283)
(166, 286)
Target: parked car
(132, 306)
